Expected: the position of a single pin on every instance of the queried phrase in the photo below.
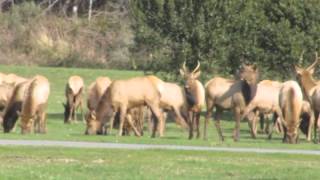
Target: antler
(197, 68)
(301, 57)
(314, 63)
(184, 67)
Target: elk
(5, 94)
(73, 93)
(307, 119)
(96, 90)
(13, 79)
(225, 94)
(265, 101)
(117, 98)
(14, 106)
(311, 91)
(195, 95)
(33, 111)
(173, 98)
(290, 101)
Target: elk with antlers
(195, 95)
(311, 90)
(224, 94)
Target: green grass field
(68, 163)
(59, 163)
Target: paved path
(75, 144)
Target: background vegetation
(158, 35)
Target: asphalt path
(105, 145)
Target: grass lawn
(59, 131)
(69, 163)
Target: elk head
(190, 84)
(292, 134)
(94, 126)
(304, 75)
(249, 75)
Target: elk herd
(285, 107)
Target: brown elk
(173, 98)
(34, 104)
(265, 101)
(96, 90)
(14, 106)
(290, 101)
(307, 119)
(73, 93)
(5, 94)
(311, 91)
(123, 95)
(195, 94)
(224, 94)
(13, 79)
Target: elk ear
(255, 67)
(298, 69)
(93, 115)
(182, 72)
(196, 75)
(311, 71)
(19, 113)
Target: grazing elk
(96, 90)
(14, 106)
(117, 98)
(290, 101)
(224, 94)
(73, 93)
(265, 101)
(311, 91)
(195, 95)
(34, 104)
(5, 94)
(13, 79)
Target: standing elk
(307, 119)
(33, 111)
(73, 93)
(14, 106)
(265, 101)
(290, 101)
(121, 96)
(225, 94)
(311, 90)
(195, 95)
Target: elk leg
(158, 118)
(129, 119)
(179, 119)
(191, 123)
(162, 124)
(123, 112)
(311, 123)
(251, 123)
(217, 118)
(42, 123)
(112, 121)
(208, 117)
(198, 124)
(318, 129)
(236, 132)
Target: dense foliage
(222, 34)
